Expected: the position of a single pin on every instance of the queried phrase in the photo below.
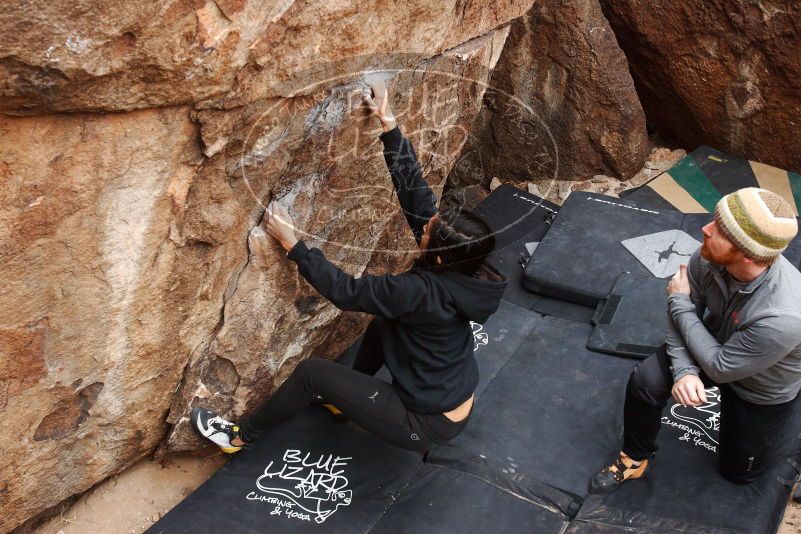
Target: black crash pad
(521, 220)
(517, 219)
(683, 492)
(595, 238)
(512, 213)
(341, 496)
(549, 416)
(583, 253)
(454, 493)
(631, 320)
(511, 260)
(553, 410)
(497, 340)
(560, 309)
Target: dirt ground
(792, 519)
(132, 501)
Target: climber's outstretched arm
(386, 295)
(416, 198)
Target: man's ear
(439, 260)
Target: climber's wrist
(388, 122)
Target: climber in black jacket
(421, 331)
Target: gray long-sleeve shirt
(751, 335)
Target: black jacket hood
(476, 297)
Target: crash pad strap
(606, 309)
(630, 321)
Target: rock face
(334, 178)
(57, 56)
(715, 72)
(97, 309)
(136, 279)
(561, 103)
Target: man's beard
(723, 259)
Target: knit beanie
(758, 222)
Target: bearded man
(734, 321)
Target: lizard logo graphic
(662, 252)
(702, 422)
(665, 254)
(305, 486)
(480, 338)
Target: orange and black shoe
(622, 469)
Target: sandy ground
(792, 519)
(132, 501)
(135, 499)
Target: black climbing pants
(366, 400)
(749, 434)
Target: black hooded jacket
(426, 333)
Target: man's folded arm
(749, 350)
(681, 361)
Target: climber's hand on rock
(280, 225)
(378, 103)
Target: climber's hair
(463, 240)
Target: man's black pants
(750, 434)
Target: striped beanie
(758, 222)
